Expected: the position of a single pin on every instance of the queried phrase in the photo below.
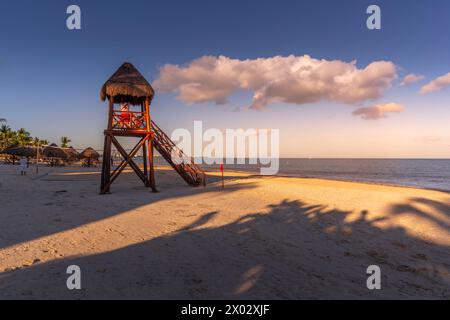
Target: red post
(223, 182)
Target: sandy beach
(259, 238)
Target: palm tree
(20, 137)
(39, 142)
(23, 137)
(7, 136)
(4, 128)
(65, 142)
(36, 142)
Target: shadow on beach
(295, 251)
(80, 192)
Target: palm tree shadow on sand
(87, 206)
(295, 251)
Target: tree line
(23, 138)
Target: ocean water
(431, 174)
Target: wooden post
(150, 148)
(144, 160)
(106, 165)
(108, 162)
(103, 184)
(151, 168)
(144, 151)
(110, 113)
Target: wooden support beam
(144, 147)
(152, 168)
(131, 163)
(102, 186)
(150, 148)
(106, 166)
(126, 160)
(144, 159)
(128, 132)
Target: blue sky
(50, 76)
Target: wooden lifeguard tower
(128, 89)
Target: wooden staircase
(192, 173)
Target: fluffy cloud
(411, 78)
(378, 111)
(437, 84)
(291, 79)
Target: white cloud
(291, 79)
(436, 85)
(378, 111)
(411, 78)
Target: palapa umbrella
(90, 153)
(55, 152)
(20, 151)
(72, 154)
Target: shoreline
(256, 175)
(337, 180)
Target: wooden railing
(129, 120)
(192, 173)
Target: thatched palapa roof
(20, 151)
(72, 154)
(68, 154)
(90, 153)
(54, 152)
(127, 84)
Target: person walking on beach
(23, 166)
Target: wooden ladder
(192, 173)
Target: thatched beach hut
(53, 151)
(16, 152)
(90, 156)
(90, 153)
(20, 151)
(60, 156)
(72, 154)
